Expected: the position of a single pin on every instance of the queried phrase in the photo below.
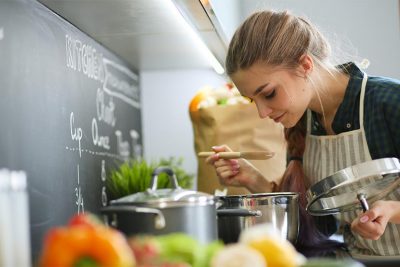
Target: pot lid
(175, 196)
(353, 187)
(163, 196)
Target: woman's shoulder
(383, 90)
(383, 83)
(382, 116)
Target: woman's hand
(237, 172)
(372, 223)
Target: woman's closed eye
(270, 94)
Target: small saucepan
(162, 211)
(238, 212)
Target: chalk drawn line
(95, 153)
(127, 72)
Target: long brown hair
(280, 39)
(276, 39)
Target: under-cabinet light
(197, 39)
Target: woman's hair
(280, 39)
(275, 39)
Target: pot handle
(167, 170)
(238, 213)
(363, 201)
(159, 221)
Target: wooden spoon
(258, 155)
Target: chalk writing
(136, 146)
(95, 153)
(122, 83)
(116, 82)
(76, 133)
(103, 170)
(123, 147)
(98, 140)
(84, 58)
(104, 198)
(79, 197)
(105, 112)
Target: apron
(325, 155)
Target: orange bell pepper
(86, 244)
(85, 219)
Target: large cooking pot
(238, 212)
(164, 211)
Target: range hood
(201, 16)
(145, 33)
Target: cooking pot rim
(167, 204)
(259, 195)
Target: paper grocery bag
(239, 127)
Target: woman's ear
(306, 65)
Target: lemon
(276, 251)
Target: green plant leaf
(135, 176)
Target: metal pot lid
(165, 197)
(353, 187)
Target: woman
(334, 117)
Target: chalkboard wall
(69, 112)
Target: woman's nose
(263, 111)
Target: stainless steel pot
(163, 211)
(239, 212)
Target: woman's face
(279, 94)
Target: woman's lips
(279, 118)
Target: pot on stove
(162, 211)
(238, 212)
